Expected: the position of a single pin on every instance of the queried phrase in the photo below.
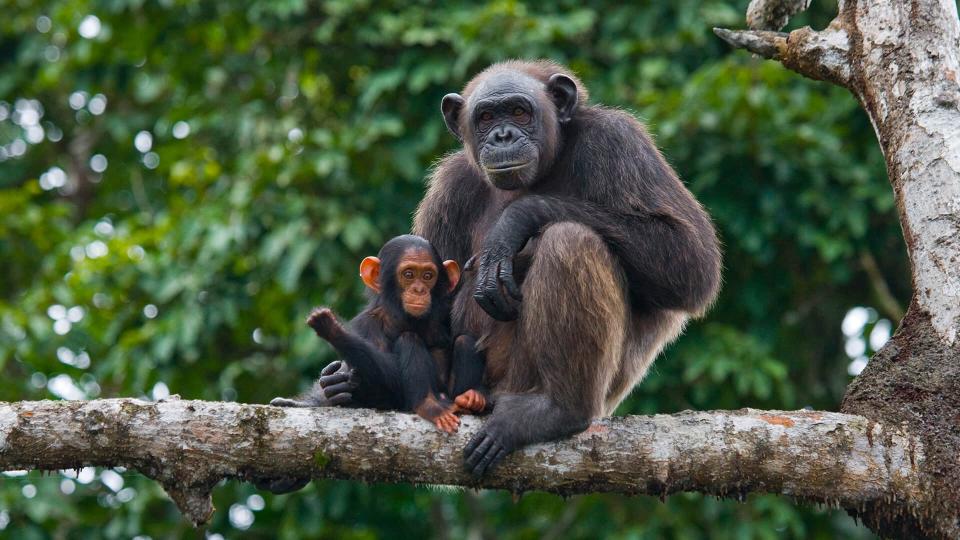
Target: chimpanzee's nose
(504, 135)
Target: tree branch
(819, 55)
(188, 446)
(773, 14)
(888, 302)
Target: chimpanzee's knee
(574, 316)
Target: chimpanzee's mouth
(508, 167)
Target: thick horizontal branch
(188, 446)
(820, 55)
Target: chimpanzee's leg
(568, 346)
(421, 383)
(376, 375)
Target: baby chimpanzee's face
(411, 272)
(416, 277)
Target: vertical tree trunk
(907, 63)
(901, 59)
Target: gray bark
(773, 14)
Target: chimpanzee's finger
(509, 283)
(490, 460)
(503, 310)
(476, 450)
(330, 380)
(332, 368)
(342, 388)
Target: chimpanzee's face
(508, 131)
(416, 277)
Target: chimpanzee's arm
(666, 255)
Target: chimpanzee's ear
(451, 106)
(563, 92)
(370, 273)
(453, 274)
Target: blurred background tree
(181, 181)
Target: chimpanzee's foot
(470, 402)
(488, 447)
(335, 386)
(447, 422)
(324, 323)
(516, 421)
(439, 412)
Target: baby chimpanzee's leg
(421, 383)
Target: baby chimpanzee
(399, 346)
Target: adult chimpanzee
(590, 254)
(399, 347)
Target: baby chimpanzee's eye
(408, 274)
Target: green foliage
(255, 152)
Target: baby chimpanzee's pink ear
(453, 273)
(370, 273)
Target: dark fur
(618, 254)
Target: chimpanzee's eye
(408, 274)
(428, 276)
(486, 116)
(520, 115)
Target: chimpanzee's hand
(337, 382)
(334, 388)
(494, 266)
